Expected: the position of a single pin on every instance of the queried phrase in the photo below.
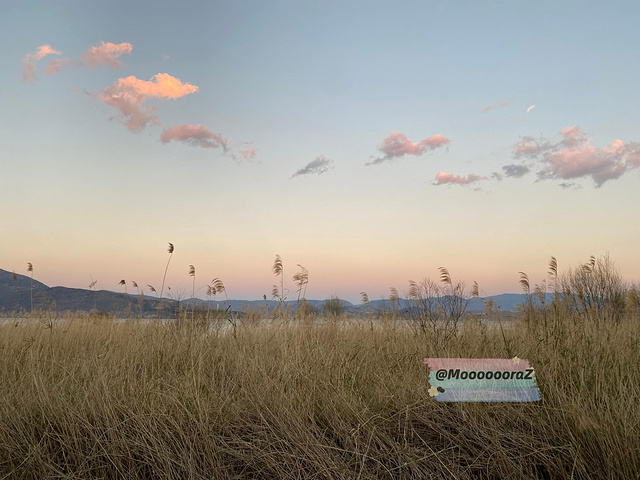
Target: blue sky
(447, 94)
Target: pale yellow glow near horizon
(340, 266)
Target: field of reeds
(297, 394)
(337, 397)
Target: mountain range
(17, 292)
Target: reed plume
(140, 296)
(278, 270)
(170, 250)
(475, 290)
(192, 273)
(553, 272)
(30, 269)
(524, 283)
(218, 287)
(445, 277)
(393, 294)
(301, 279)
(365, 298)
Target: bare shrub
(438, 308)
(595, 290)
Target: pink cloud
(580, 162)
(129, 94)
(194, 135)
(574, 157)
(495, 105)
(531, 147)
(572, 137)
(397, 145)
(106, 53)
(522, 147)
(571, 132)
(245, 155)
(633, 154)
(617, 146)
(444, 178)
(249, 154)
(57, 64)
(31, 59)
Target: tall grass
(333, 399)
(228, 395)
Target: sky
(370, 142)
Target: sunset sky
(371, 142)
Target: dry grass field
(330, 398)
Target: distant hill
(15, 296)
(14, 293)
(505, 302)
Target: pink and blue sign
(482, 380)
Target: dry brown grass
(348, 399)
